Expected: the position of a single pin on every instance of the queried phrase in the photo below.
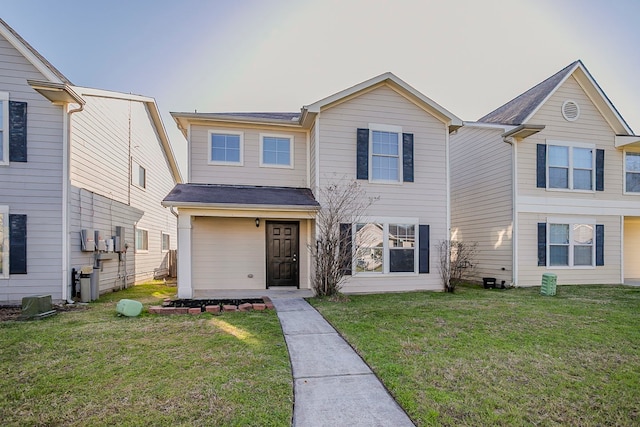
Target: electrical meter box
(101, 243)
(87, 241)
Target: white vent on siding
(570, 110)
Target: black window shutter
(17, 131)
(423, 250)
(345, 248)
(407, 157)
(599, 170)
(541, 166)
(17, 244)
(362, 156)
(599, 244)
(542, 244)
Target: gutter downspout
(67, 290)
(514, 206)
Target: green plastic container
(129, 307)
(549, 281)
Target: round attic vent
(570, 110)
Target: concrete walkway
(332, 385)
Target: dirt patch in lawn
(13, 312)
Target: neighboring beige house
(247, 212)
(550, 182)
(73, 159)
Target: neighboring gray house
(247, 212)
(550, 182)
(73, 159)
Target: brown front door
(282, 254)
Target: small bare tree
(457, 262)
(343, 202)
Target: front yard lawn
(491, 357)
(90, 367)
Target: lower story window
(385, 248)
(142, 240)
(165, 242)
(571, 244)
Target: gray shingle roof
(50, 66)
(515, 111)
(216, 194)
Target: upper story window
(225, 147)
(4, 128)
(632, 172)
(570, 167)
(276, 151)
(138, 175)
(385, 156)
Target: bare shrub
(343, 202)
(457, 262)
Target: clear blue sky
(470, 56)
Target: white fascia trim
(102, 93)
(622, 140)
(482, 125)
(29, 55)
(236, 206)
(4, 126)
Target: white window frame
(291, 139)
(386, 260)
(4, 243)
(212, 132)
(162, 234)
(571, 146)
(146, 231)
(4, 127)
(571, 222)
(625, 172)
(135, 175)
(385, 128)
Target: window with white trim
(276, 151)
(570, 167)
(385, 153)
(385, 248)
(632, 172)
(4, 128)
(571, 245)
(4, 242)
(142, 240)
(138, 175)
(166, 240)
(226, 147)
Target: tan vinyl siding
(105, 136)
(425, 198)
(481, 199)
(34, 188)
(530, 274)
(250, 173)
(227, 250)
(312, 157)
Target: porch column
(185, 290)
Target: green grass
(490, 357)
(90, 367)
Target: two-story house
(247, 213)
(550, 182)
(78, 167)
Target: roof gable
(395, 83)
(522, 108)
(32, 55)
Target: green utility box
(549, 281)
(129, 307)
(37, 307)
